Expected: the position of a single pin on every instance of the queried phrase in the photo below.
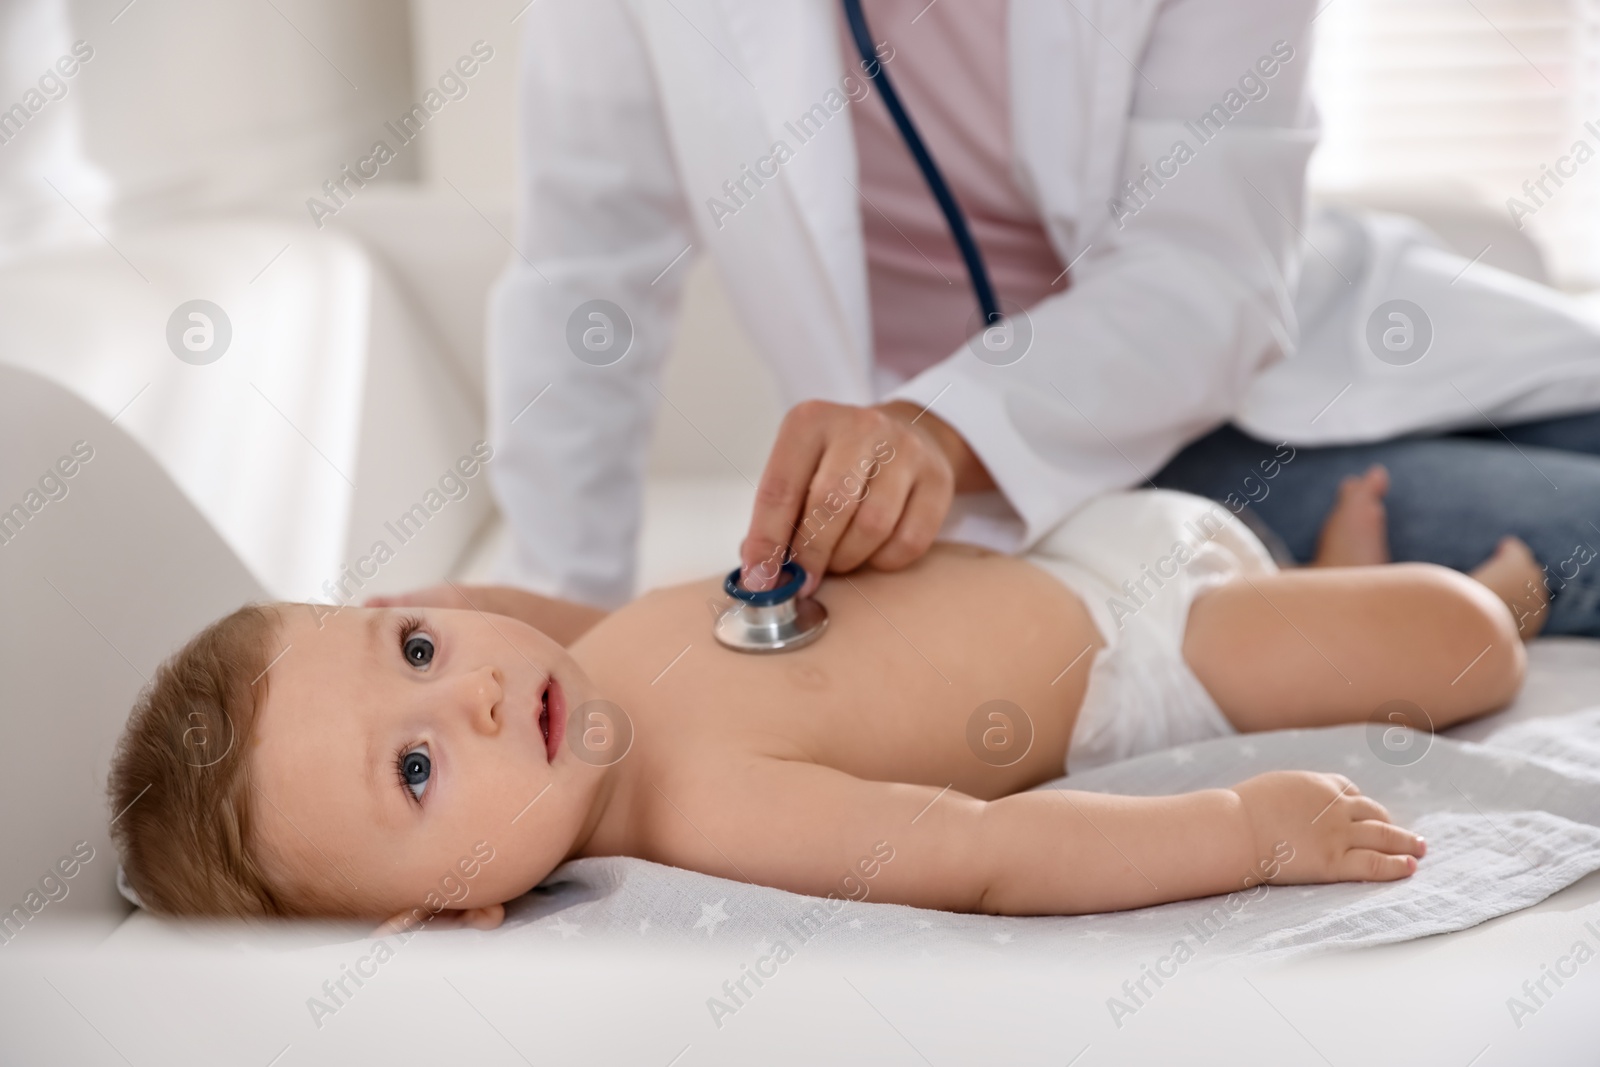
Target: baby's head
(365, 764)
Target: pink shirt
(950, 68)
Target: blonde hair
(180, 779)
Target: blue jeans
(1451, 497)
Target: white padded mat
(1506, 827)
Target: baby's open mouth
(552, 717)
(544, 716)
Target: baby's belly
(965, 669)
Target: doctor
(1131, 174)
(751, 133)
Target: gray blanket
(1508, 822)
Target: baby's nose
(482, 694)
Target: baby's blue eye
(415, 768)
(418, 650)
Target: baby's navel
(807, 677)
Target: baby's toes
(1376, 479)
(1369, 865)
(1387, 838)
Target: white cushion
(110, 570)
(329, 415)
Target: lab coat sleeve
(1172, 309)
(600, 216)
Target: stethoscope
(776, 620)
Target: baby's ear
(488, 917)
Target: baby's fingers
(1369, 865)
(1364, 807)
(1387, 837)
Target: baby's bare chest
(949, 673)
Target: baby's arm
(806, 828)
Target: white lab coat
(635, 112)
(1504, 349)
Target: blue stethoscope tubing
(873, 68)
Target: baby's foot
(1356, 533)
(1515, 577)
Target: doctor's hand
(848, 485)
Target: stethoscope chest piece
(775, 620)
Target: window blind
(1476, 98)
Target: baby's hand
(1337, 834)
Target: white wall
(197, 106)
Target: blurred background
(1442, 107)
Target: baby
(298, 760)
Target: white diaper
(1138, 560)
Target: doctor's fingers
(822, 448)
(848, 519)
(785, 485)
(920, 522)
